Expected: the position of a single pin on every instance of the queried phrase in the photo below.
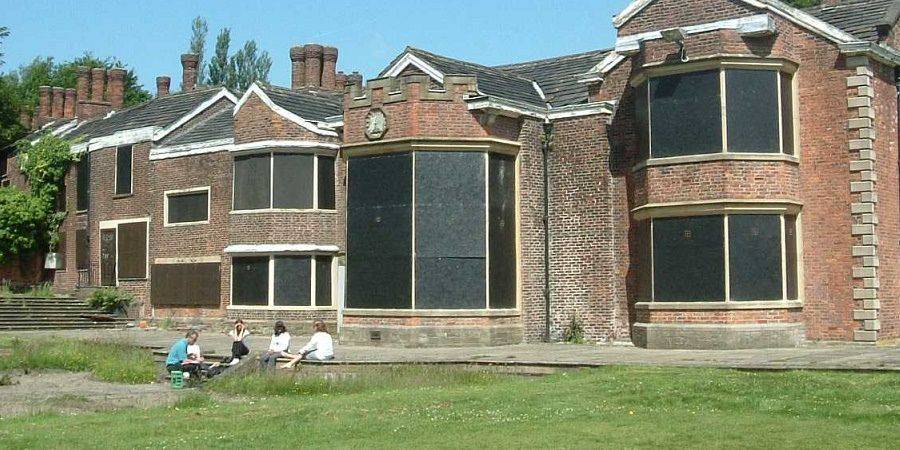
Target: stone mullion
(864, 199)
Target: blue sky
(150, 35)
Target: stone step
(78, 326)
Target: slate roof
(156, 112)
(859, 18)
(217, 126)
(491, 81)
(558, 77)
(310, 104)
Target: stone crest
(376, 124)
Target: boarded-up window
(323, 280)
(132, 254)
(754, 255)
(252, 177)
(685, 114)
(292, 281)
(502, 230)
(188, 284)
(689, 259)
(250, 281)
(188, 207)
(83, 182)
(752, 110)
(123, 170)
(293, 181)
(641, 119)
(61, 249)
(791, 256)
(326, 182)
(82, 250)
(787, 113)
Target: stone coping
(714, 306)
(711, 157)
(452, 313)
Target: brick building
(725, 177)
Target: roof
(558, 77)
(860, 18)
(311, 104)
(217, 126)
(491, 81)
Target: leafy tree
(4, 32)
(246, 66)
(218, 65)
(10, 128)
(22, 218)
(199, 30)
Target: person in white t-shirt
(278, 347)
(319, 348)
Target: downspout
(546, 143)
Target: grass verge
(441, 408)
(107, 360)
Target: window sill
(432, 312)
(184, 224)
(710, 157)
(281, 210)
(733, 305)
(279, 308)
(81, 212)
(118, 196)
(133, 279)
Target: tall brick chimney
(69, 108)
(313, 65)
(298, 67)
(162, 86)
(59, 98)
(98, 84)
(116, 87)
(189, 63)
(329, 67)
(43, 105)
(355, 79)
(82, 88)
(340, 80)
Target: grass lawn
(444, 408)
(106, 360)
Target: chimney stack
(329, 66)
(59, 98)
(162, 86)
(69, 107)
(43, 105)
(116, 87)
(25, 120)
(189, 63)
(98, 84)
(313, 65)
(340, 81)
(298, 67)
(82, 87)
(355, 79)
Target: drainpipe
(546, 143)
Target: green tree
(247, 66)
(199, 30)
(218, 65)
(10, 106)
(4, 33)
(22, 218)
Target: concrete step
(79, 326)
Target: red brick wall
(257, 122)
(531, 231)
(662, 14)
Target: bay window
(715, 258)
(283, 181)
(282, 281)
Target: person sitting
(239, 347)
(178, 358)
(195, 357)
(319, 348)
(278, 347)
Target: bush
(107, 360)
(110, 299)
(23, 218)
(574, 332)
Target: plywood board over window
(132, 250)
(252, 182)
(325, 182)
(185, 284)
(187, 206)
(83, 182)
(124, 159)
(292, 178)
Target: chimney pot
(98, 84)
(298, 67)
(43, 105)
(355, 79)
(329, 66)
(162, 86)
(59, 97)
(189, 62)
(116, 87)
(313, 65)
(69, 107)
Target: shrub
(574, 333)
(110, 299)
(22, 219)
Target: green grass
(106, 360)
(39, 290)
(437, 408)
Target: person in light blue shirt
(178, 354)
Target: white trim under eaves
(750, 25)
(511, 109)
(123, 137)
(194, 148)
(877, 51)
(407, 59)
(597, 72)
(283, 144)
(223, 93)
(587, 109)
(281, 248)
(311, 126)
(790, 13)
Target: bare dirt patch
(71, 393)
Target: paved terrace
(813, 356)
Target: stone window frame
(177, 192)
(114, 225)
(116, 192)
(478, 145)
(271, 152)
(720, 63)
(727, 208)
(270, 297)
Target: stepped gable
(558, 77)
